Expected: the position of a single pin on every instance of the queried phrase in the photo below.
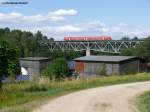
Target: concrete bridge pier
(88, 52)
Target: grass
(22, 97)
(144, 102)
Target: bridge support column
(88, 52)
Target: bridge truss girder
(114, 46)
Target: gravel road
(116, 98)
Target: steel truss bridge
(113, 46)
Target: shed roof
(35, 58)
(105, 58)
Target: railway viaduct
(112, 46)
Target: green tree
(8, 60)
(142, 50)
(58, 70)
(127, 52)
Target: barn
(106, 65)
(32, 66)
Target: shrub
(58, 70)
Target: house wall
(129, 67)
(34, 67)
(44, 64)
(112, 69)
(79, 66)
(94, 68)
(91, 68)
(33, 72)
(29, 64)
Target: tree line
(142, 50)
(27, 43)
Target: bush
(58, 70)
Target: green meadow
(24, 96)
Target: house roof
(35, 58)
(105, 58)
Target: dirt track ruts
(116, 98)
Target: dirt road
(117, 98)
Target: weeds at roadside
(26, 92)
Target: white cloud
(62, 12)
(56, 18)
(34, 18)
(68, 28)
(115, 29)
(12, 16)
(2, 1)
(58, 29)
(93, 26)
(104, 30)
(75, 28)
(52, 16)
(129, 30)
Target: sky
(59, 18)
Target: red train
(87, 38)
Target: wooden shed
(93, 65)
(33, 65)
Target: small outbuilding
(106, 65)
(33, 65)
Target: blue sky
(59, 18)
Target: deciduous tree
(8, 60)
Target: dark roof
(105, 58)
(35, 58)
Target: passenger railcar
(88, 38)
